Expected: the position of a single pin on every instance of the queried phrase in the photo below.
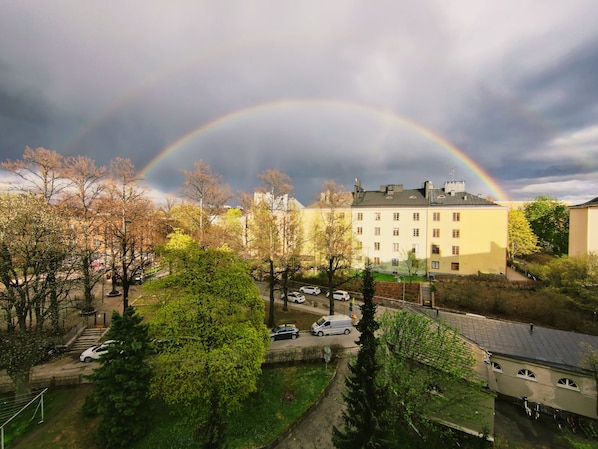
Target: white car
(340, 295)
(95, 352)
(295, 297)
(310, 290)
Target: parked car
(283, 332)
(295, 297)
(95, 352)
(310, 290)
(340, 295)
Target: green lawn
(284, 393)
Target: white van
(332, 325)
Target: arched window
(567, 383)
(526, 374)
(496, 367)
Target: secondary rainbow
(495, 188)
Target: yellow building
(453, 231)
(583, 228)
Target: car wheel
(347, 331)
(320, 334)
(272, 338)
(294, 337)
(87, 359)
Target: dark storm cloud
(511, 85)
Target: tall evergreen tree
(365, 424)
(122, 383)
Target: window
(435, 265)
(496, 367)
(456, 216)
(377, 216)
(435, 249)
(376, 261)
(527, 374)
(454, 266)
(395, 262)
(415, 232)
(436, 216)
(455, 251)
(415, 248)
(567, 383)
(395, 231)
(376, 231)
(395, 216)
(359, 230)
(456, 233)
(358, 245)
(415, 216)
(359, 216)
(359, 258)
(395, 247)
(377, 246)
(436, 233)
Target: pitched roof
(452, 194)
(550, 347)
(593, 202)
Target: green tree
(214, 313)
(549, 220)
(412, 262)
(122, 383)
(364, 421)
(428, 372)
(576, 276)
(522, 241)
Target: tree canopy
(213, 314)
(549, 220)
(522, 241)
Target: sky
(501, 95)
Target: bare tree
(271, 204)
(332, 233)
(126, 211)
(41, 171)
(82, 200)
(35, 240)
(206, 189)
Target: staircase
(88, 338)
(426, 294)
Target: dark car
(284, 332)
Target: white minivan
(332, 325)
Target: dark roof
(590, 203)
(550, 347)
(395, 195)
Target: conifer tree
(364, 419)
(122, 383)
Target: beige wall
(583, 230)
(544, 388)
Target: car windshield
(320, 321)
(277, 329)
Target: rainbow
(495, 189)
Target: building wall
(476, 242)
(583, 237)
(471, 240)
(375, 229)
(544, 388)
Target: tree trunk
(331, 285)
(271, 322)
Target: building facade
(583, 228)
(449, 230)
